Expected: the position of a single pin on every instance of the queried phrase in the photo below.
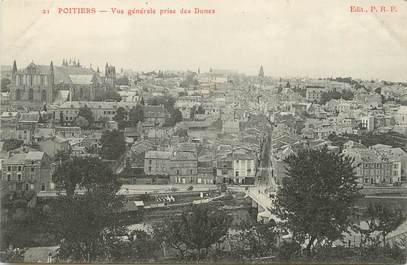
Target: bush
(289, 250)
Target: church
(39, 85)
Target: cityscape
(215, 132)
(115, 165)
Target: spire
(97, 70)
(14, 66)
(261, 72)
(51, 67)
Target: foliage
(122, 81)
(113, 144)
(382, 219)
(62, 155)
(393, 139)
(317, 200)
(86, 112)
(196, 110)
(11, 144)
(120, 117)
(181, 132)
(81, 122)
(175, 116)
(12, 255)
(198, 227)
(327, 96)
(109, 96)
(61, 118)
(5, 82)
(255, 240)
(140, 247)
(136, 115)
(289, 250)
(86, 172)
(86, 225)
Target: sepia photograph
(203, 131)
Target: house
(26, 126)
(157, 163)
(243, 167)
(205, 169)
(28, 171)
(224, 169)
(132, 132)
(313, 93)
(401, 116)
(8, 121)
(101, 110)
(41, 134)
(232, 127)
(373, 166)
(156, 115)
(183, 167)
(68, 132)
(236, 167)
(54, 145)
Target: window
(150, 161)
(19, 168)
(192, 171)
(42, 186)
(26, 186)
(177, 172)
(8, 177)
(8, 168)
(32, 169)
(237, 173)
(149, 169)
(395, 166)
(19, 177)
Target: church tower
(261, 72)
(13, 73)
(50, 89)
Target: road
(142, 189)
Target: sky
(290, 38)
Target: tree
(122, 81)
(87, 225)
(86, 112)
(317, 199)
(5, 82)
(113, 144)
(120, 117)
(383, 220)
(81, 122)
(136, 115)
(109, 96)
(255, 239)
(61, 118)
(197, 229)
(90, 173)
(11, 144)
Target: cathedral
(39, 85)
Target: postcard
(203, 131)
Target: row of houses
(236, 167)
